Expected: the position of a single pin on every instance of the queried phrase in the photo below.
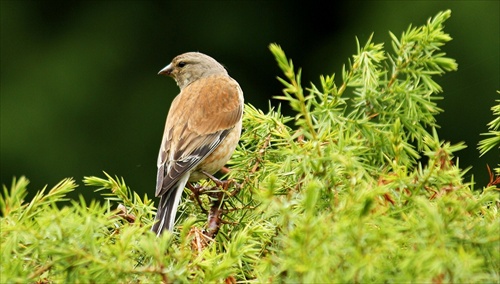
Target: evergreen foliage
(357, 187)
(490, 143)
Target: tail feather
(167, 208)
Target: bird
(202, 130)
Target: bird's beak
(166, 71)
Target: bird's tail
(167, 208)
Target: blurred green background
(80, 94)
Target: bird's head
(191, 66)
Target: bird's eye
(181, 64)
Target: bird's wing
(199, 119)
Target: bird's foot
(197, 190)
(224, 184)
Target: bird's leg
(223, 184)
(197, 191)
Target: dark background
(80, 94)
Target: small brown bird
(202, 130)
